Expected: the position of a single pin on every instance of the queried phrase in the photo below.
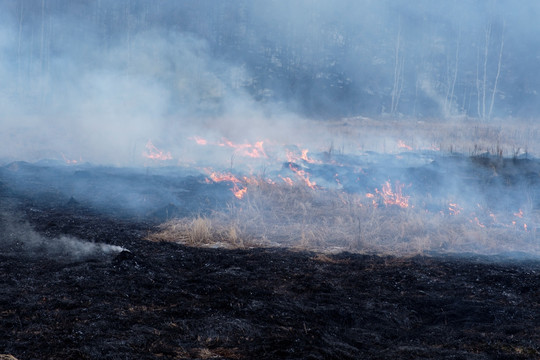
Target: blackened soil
(163, 300)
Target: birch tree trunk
(398, 74)
(498, 74)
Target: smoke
(199, 84)
(94, 81)
(21, 238)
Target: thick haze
(95, 80)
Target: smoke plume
(21, 238)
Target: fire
(477, 222)
(70, 161)
(237, 190)
(216, 177)
(248, 150)
(372, 197)
(154, 153)
(389, 192)
(255, 150)
(336, 176)
(199, 140)
(394, 197)
(302, 174)
(292, 157)
(307, 159)
(454, 209)
(287, 180)
(402, 145)
(304, 155)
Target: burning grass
(333, 220)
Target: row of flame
(388, 195)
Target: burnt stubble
(165, 300)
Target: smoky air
(370, 126)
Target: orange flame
(395, 197)
(336, 176)
(454, 209)
(303, 175)
(287, 180)
(249, 150)
(402, 145)
(477, 222)
(255, 150)
(199, 140)
(154, 153)
(292, 157)
(70, 161)
(304, 155)
(216, 177)
(237, 190)
(373, 200)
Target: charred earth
(89, 285)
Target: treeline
(320, 58)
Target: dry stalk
(273, 215)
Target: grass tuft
(333, 221)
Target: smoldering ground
(20, 239)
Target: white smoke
(21, 237)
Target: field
(413, 253)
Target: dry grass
(333, 221)
(200, 231)
(502, 137)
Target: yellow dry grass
(501, 137)
(333, 221)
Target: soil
(164, 300)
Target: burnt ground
(165, 300)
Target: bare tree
(41, 48)
(498, 73)
(19, 66)
(484, 81)
(398, 73)
(485, 112)
(449, 99)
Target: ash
(167, 300)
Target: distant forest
(324, 59)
